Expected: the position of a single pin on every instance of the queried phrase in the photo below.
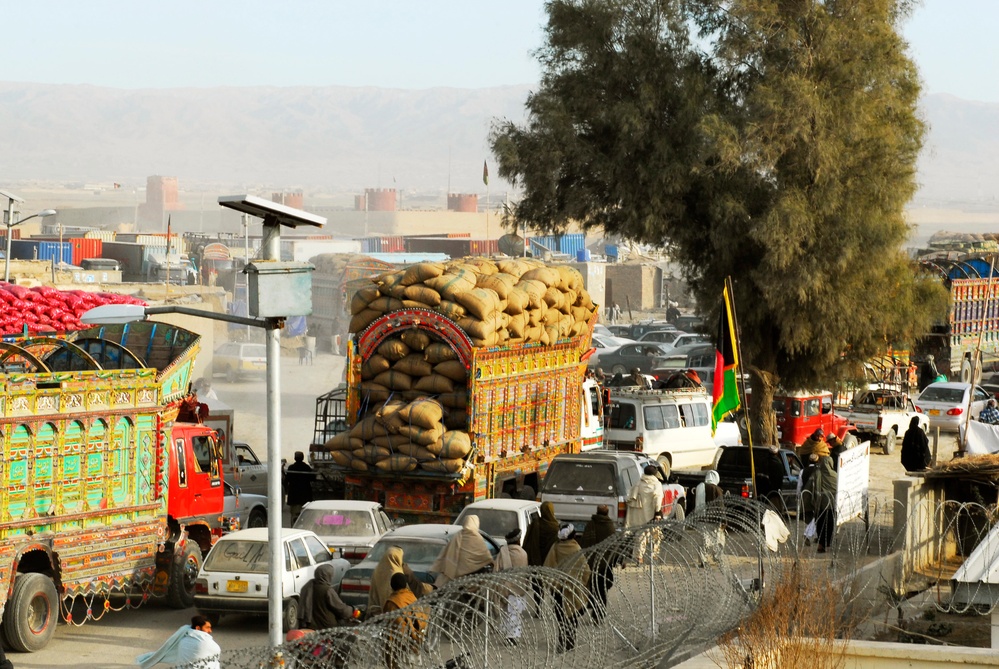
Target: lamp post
(9, 222)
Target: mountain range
(342, 139)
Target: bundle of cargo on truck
(413, 402)
(47, 309)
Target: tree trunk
(762, 420)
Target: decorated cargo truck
(108, 484)
(464, 380)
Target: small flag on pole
(168, 239)
(485, 173)
(725, 393)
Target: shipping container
(14, 234)
(453, 247)
(459, 235)
(24, 249)
(103, 235)
(300, 250)
(483, 247)
(40, 249)
(569, 244)
(393, 244)
(371, 245)
(84, 248)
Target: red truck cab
(800, 413)
(196, 491)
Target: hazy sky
(384, 43)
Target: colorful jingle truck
(438, 412)
(104, 488)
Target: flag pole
(741, 382)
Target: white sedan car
(234, 577)
(348, 528)
(247, 509)
(946, 404)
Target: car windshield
(494, 522)
(336, 522)
(414, 551)
(942, 394)
(245, 557)
(570, 477)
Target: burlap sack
(371, 453)
(342, 458)
(443, 466)
(385, 304)
(414, 365)
(486, 342)
(455, 400)
(395, 380)
(420, 272)
(456, 420)
(413, 304)
(425, 413)
(392, 441)
(581, 314)
(553, 298)
(532, 333)
(569, 278)
(421, 435)
(398, 291)
(517, 301)
(388, 415)
(416, 340)
(362, 320)
(455, 444)
(515, 268)
(358, 465)
(422, 293)
(343, 442)
(438, 352)
(434, 384)
(397, 463)
(449, 285)
(564, 324)
(452, 369)
(479, 328)
(535, 317)
(478, 302)
(374, 366)
(387, 281)
(553, 335)
(516, 325)
(569, 298)
(393, 350)
(535, 292)
(483, 266)
(500, 283)
(374, 392)
(545, 275)
(415, 451)
(368, 428)
(551, 317)
(578, 328)
(451, 310)
(364, 296)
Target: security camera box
(279, 289)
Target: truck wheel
(890, 440)
(31, 614)
(184, 572)
(230, 375)
(666, 465)
(290, 619)
(850, 441)
(258, 518)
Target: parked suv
(238, 360)
(577, 483)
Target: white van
(673, 426)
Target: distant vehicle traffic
(946, 403)
(237, 361)
(644, 356)
(662, 336)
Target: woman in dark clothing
(915, 448)
(328, 610)
(541, 535)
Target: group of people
(818, 483)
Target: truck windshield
(336, 523)
(248, 557)
(569, 477)
(494, 522)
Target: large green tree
(773, 141)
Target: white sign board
(854, 470)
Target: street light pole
(9, 222)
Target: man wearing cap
(816, 443)
(836, 448)
(601, 562)
(513, 556)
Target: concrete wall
(639, 284)
(918, 523)
(594, 280)
(866, 654)
(366, 223)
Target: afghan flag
(725, 393)
(485, 173)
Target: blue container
(610, 250)
(571, 244)
(55, 251)
(24, 249)
(371, 245)
(583, 255)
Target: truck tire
(966, 372)
(666, 465)
(289, 620)
(258, 518)
(31, 614)
(890, 440)
(183, 573)
(850, 441)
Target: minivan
(672, 426)
(576, 483)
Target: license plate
(934, 412)
(236, 586)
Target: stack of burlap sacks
(416, 387)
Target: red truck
(800, 413)
(108, 484)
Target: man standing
(513, 556)
(645, 499)
(571, 595)
(597, 530)
(298, 483)
(191, 643)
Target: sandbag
(397, 463)
(443, 466)
(455, 444)
(420, 272)
(343, 442)
(421, 435)
(393, 349)
(434, 384)
(425, 294)
(416, 340)
(385, 304)
(545, 275)
(374, 392)
(413, 365)
(517, 301)
(372, 453)
(342, 458)
(452, 369)
(501, 283)
(395, 380)
(362, 320)
(438, 352)
(374, 366)
(425, 413)
(478, 302)
(451, 310)
(421, 453)
(362, 298)
(455, 400)
(368, 428)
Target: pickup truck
(732, 465)
(883, 416)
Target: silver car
(946, 404)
